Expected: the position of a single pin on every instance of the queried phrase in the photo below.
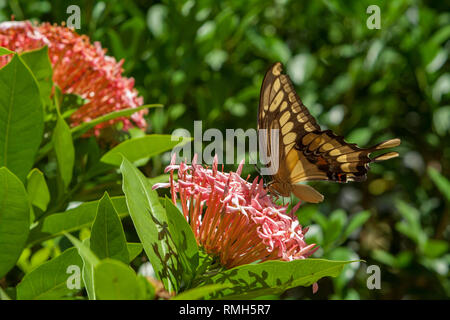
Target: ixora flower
(233, 219)
(79, 67)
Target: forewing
(306, 152)
(281, 108)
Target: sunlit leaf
(442, 183)
(5, 51)
(14, 219)
(90, 261)
(357, 221)
(200, 292)
(64, 149)
(72, 220)
(21, 117)
(39, 63)
(52, 280)
(37, 189)
(150, 220)
(107, 235)
(115, 280)
(85, 126)
(271, 277)
(142, 147)
(184, 240)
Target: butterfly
(301, 149)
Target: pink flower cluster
(233, 219)
(79, 67)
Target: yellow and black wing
(306, 152)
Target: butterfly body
(303, 151)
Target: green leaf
(442, 183)
(183, 239)
(4, 51)
(141, 148)
(435, 248)
(402, 260)
(54, 279)
(39, 63)
(14, 219)
(358, 220)
(271, 277)
(69, 103)
(50, 280)
(349, 270)
(147, 290)
(21, 118)
(200, 292)
(149, 219)
(37, 189)
(72, 220)
(107, 235)
(3, 294)
(306, 213)
(134, 249)
(411, 215)
(321, 220)
(115, 280)
(88, 272)
(360, 136)
(441, 120)
(90, 261)
(164, 178)
(85, 126)
(39, 257)
(64, 149)
(335, 224)
(86, 254)
(411, 226)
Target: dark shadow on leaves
(173, 267)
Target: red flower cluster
(79, 67)
(233, 219)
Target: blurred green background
(205, 60)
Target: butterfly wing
(335, 159)
(280, 108)
(306, 152)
